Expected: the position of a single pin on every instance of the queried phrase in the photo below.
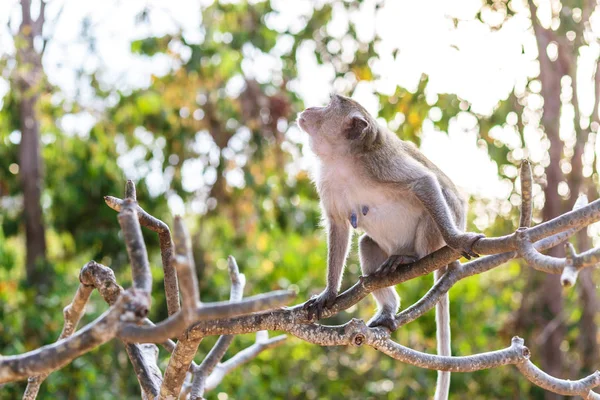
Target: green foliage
(269, 222)
(149, 46)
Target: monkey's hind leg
(388, 301)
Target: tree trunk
(549, 294)
(29, 82)
(30, 163)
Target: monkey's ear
(356, 126)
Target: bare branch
(263, 342)
(238, 281)
(538, 377)
(535, 259)
(569, 274)
(175, 324)
(516, 354)
(186, 270)
(511, 355)
(49, 358)
(356, 333)
(72, 315)
(573, 219)
(26, 14)
(186, 348)
(136, 248)
(38, 24)
(144, 358)
(526, 194)
(554, 265)
(166, 250)
(141, 356)
(146, 220)
(180, 361)
(130, 192)
(587, 258)
(481, 265)
(102, 279)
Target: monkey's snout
(302, 120)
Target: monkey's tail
(442, 322)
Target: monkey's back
(401, 162)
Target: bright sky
(480, 64)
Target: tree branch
(72, 315)
(186, 270)
(136, 248)
(526, 194)
(142, 356)
(176, 324)
(166, 249)
(200, 374)
(38, 24)
(51, 357)
(263, 342)
(568, 266)
(186, 348)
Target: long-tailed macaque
(368, 178)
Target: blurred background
(196, 100)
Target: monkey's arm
(429, 192)
(338, 239)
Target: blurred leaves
(215, 137)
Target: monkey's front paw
(393, 262)
(463, 243)
(317, 304)
(387, 320)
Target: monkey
(367, 178)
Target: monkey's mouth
(302, 122)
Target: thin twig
(136, 248)
(166, 250)
(186, 270)
(263, 342)
(238, 281)
(526, 194)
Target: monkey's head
(340, 127)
